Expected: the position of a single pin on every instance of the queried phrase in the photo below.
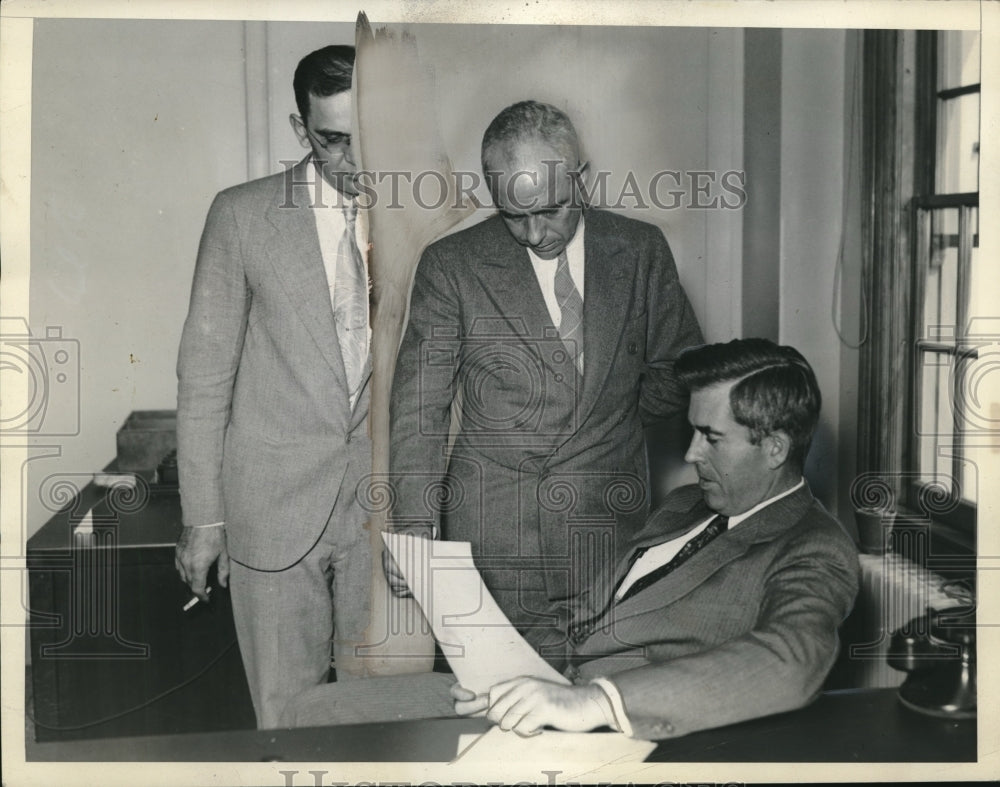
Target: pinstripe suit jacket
(745, 628)
(267, 439)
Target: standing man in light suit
(552, 329)
(273, 402)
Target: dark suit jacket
(745, 628)
(547, 473)
(267, 440)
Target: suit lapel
(606, 301)
(680, 513)
(295, 255)
(731, 545)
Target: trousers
(285, 620)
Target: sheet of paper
(481, 645)
(574, 754)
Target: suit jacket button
(633, 348)
(347, 439)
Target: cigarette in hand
(194, 600)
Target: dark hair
(325, 72)
(776, 388)
(526, 120)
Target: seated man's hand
(467, 702)
(525, 705)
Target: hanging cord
(855, 108)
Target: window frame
(929, 98)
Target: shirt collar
(735, 520)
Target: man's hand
(525, 705)
(397, 584)
(197, 549)
(394, 576)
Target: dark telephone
(938, 650)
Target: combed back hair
(322, 73)
(776, 388)
(528, 120)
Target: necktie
(350, 304)
(570, 311)
(715, 528)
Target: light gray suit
(267, 439)
(746, 627)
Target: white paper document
(483, 648)
(481, 645)
(573, 754)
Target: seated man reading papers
(726, 607)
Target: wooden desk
(851, 726)
(112, 652)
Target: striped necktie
(570, 311)
(350, 303)
(715, 528)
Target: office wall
(815, 100)
(801, 227)
(136, 124)
(642, 99)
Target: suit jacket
(746, 627)
(547, 472)
(267, 439)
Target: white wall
(813, 105)
(135, 126)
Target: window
(946, 267)
(918, 422)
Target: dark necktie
(716, 527)
(570, 311)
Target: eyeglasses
(331, 140)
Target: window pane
(977, 270)
(958, 144)
(968, 369)
(936, 423)
(941, 283)
(958, 58)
